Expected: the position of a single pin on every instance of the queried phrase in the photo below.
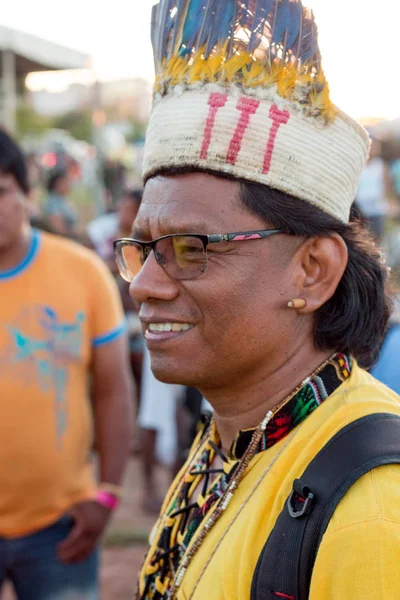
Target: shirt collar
(311, 395)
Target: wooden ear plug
(297, 303)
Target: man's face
(237, 309)
(12, 211)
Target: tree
(29, 122)
(78, 123)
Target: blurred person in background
(58, 210)
(61, 321)
(159, 432)
(395, 175)
(387, 369)
(102, 232)
(104, 229)
(372, 192)
(127, 209)
(114, 179)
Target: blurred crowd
(167, 415)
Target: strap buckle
(300, 501)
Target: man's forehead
(197, 203)
(154, 222)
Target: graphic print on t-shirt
(39, 350)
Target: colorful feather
(249, 43)
(281, 22)
(194, 16)
(221, 26)
(205, 26)
(308, 42)
(294, 27)
(262, 11)
(181, 10)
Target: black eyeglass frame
(215, 238)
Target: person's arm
(113, 396)
(113, 399)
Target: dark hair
(12, 161)
(134, 194)
(54, 177)
(354, 320)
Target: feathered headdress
(240, 89)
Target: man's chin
(166, 372)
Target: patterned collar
(307, 399)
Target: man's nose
(152, 283)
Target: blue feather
(243, 19)
(154, 21)
(221, 27)
(281, 23)
(205, 28)
(296, 15)
(184, 25)
(308, 47)
(178, 20)
(163, 33)
(194, 19)
(262, 11)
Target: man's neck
(12, 256)
(245, 406)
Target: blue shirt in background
(387, 369)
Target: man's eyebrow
(200, 227)
(139, 233)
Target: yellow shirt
(55, 307)
(359, 557)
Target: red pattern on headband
(279, 117)
(248, 107)
(215, 102)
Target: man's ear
(322, 262)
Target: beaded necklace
(184, 520)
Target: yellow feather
(270, 75)
(178, 71)
(251, 77)
(287, 81)
(196, 69)
(320, 103)
(305, 80)
(215, 62)
(235, 64)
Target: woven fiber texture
(262, 140)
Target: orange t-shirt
(58, 304)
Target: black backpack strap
(286, 562)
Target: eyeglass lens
(182, 257)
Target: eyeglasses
(182, 255)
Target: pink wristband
(106, 499)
